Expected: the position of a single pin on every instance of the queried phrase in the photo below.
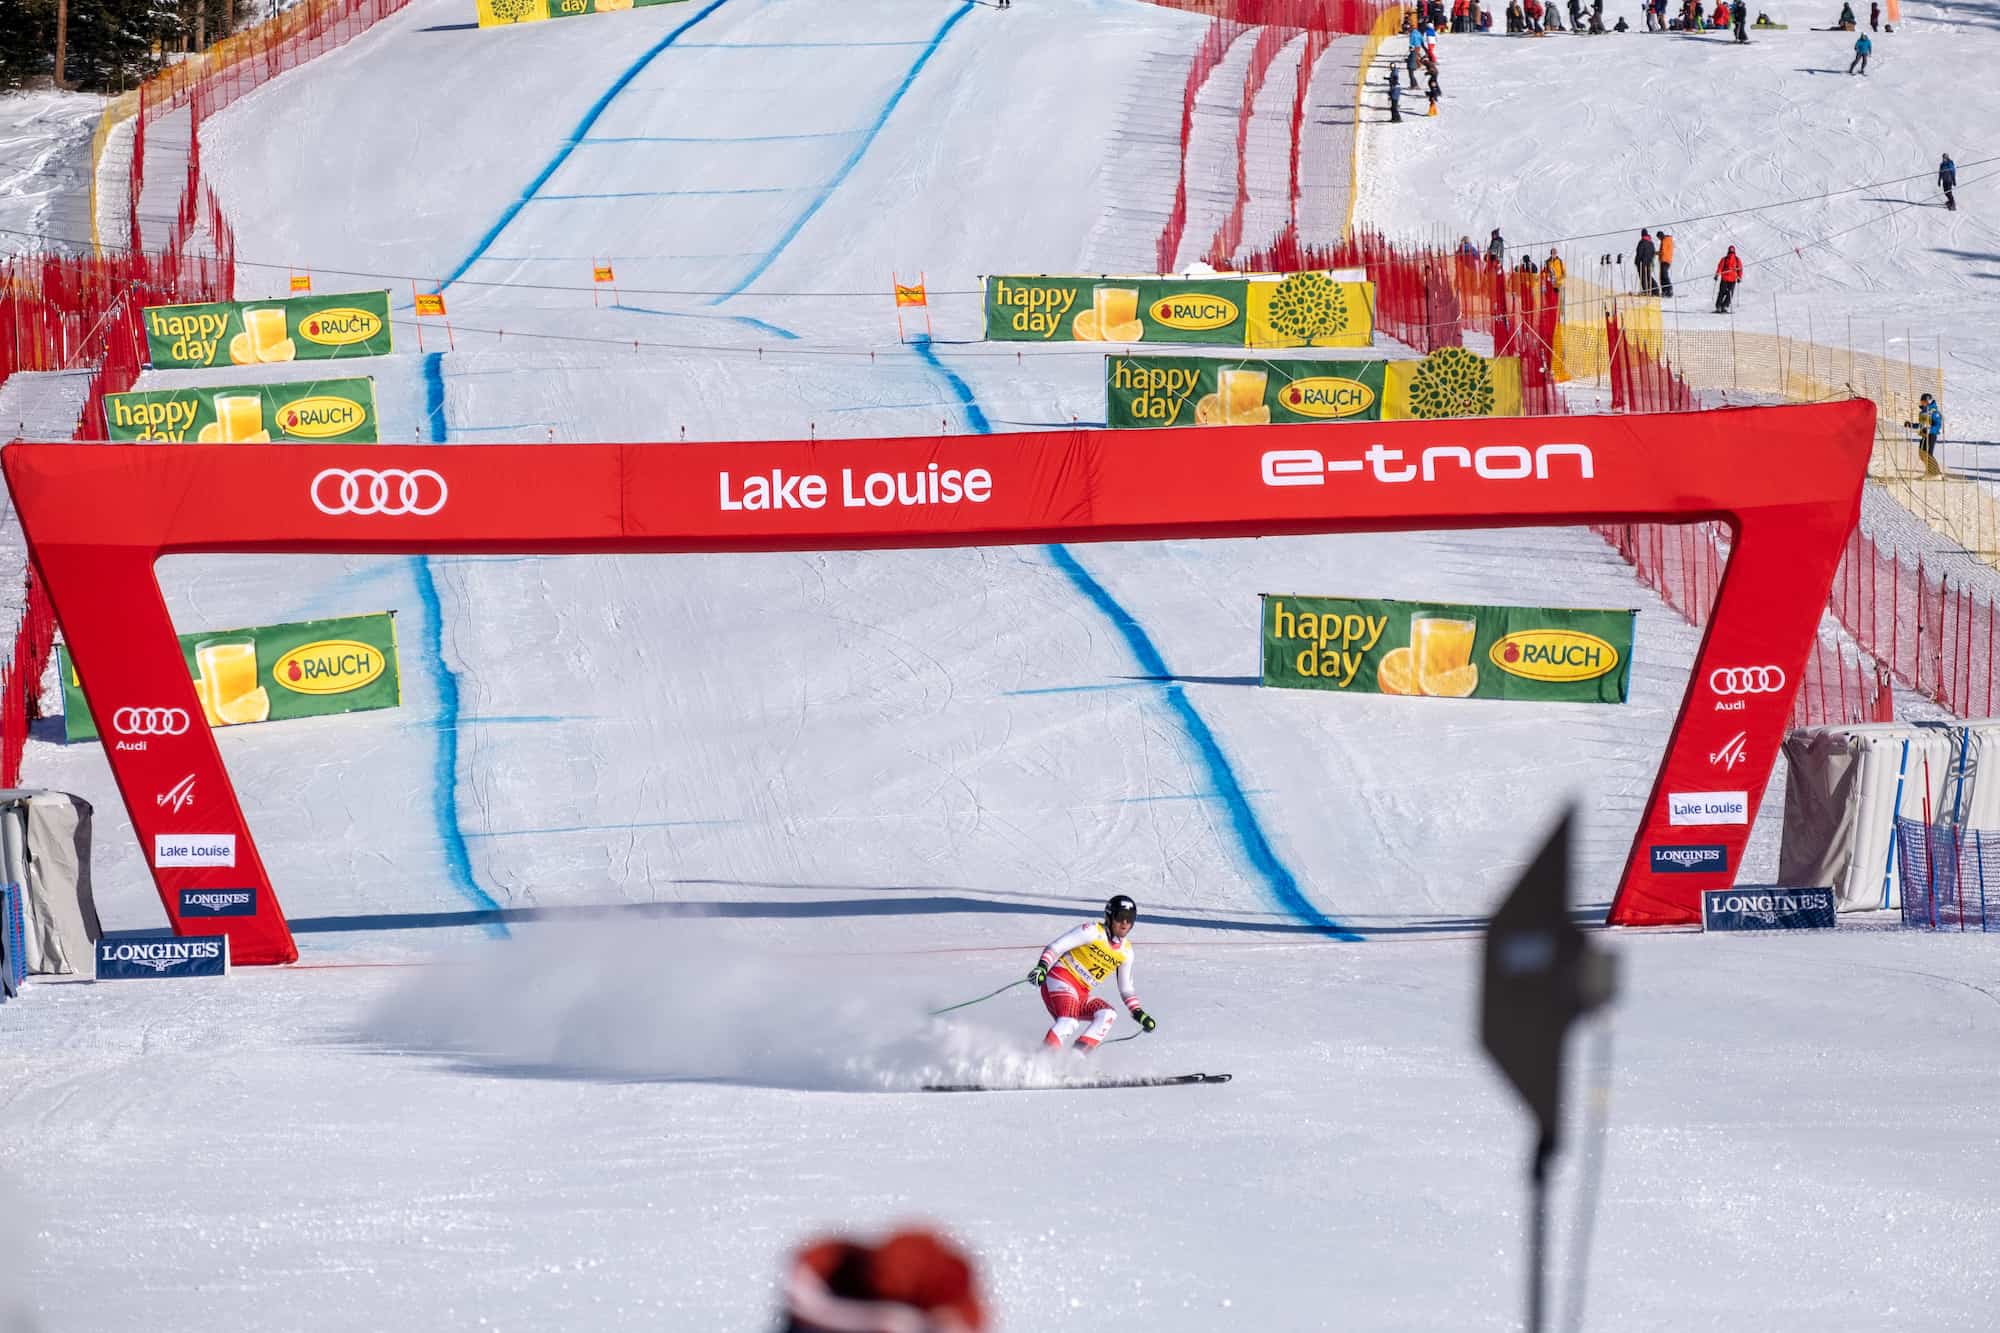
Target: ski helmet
(1121, 910)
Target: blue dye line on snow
(444, 769)
(583, 126)
(1080, 689)
(787, 46)
(764, 326)
(853, 158)
(504, 720)
(1221, 775)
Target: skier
(1727, 274)
(1077, 961)
(1431, 90)
(1666, 257)
(1642, 259)
(1948, 181)
(1395, 96)
(1862, 46)
(1930, 425)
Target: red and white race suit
(1077, 961)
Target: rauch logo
(321, 415)
(1554, 655)
(340, 327)
(331, 666)
(1326, 396)
(1193, 313)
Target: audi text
(1493, 462)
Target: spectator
(1720, 19)
(1553, 271)
(1486, 20)
(1395, 97)
(1727, 274)
(1416, 51)
(912, 1280)
(1642, 260)
(1461, 11)
(1621, 25)
(1513, 16)
(1531, 10)
(1862, 46)
(1948, 181)
(1930, 426)
(1846, 20)
(1466, 248)
(1597, 16)
(1552, 16)
(1874, 16)
(1496, 249)
(1576, 15)
(1665, 245)
(1739, 13)
(1431, 89)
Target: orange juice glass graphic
(240, 415)
(1115, 307)
(228, 671)
(1242, 392)
(1439, 646)
(266, 327)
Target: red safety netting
(1229, 236)
(1640, 381)
(1332, 16)
(1684, 563)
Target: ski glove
(1145, 1020)
(1038, 974)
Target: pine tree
(27, 40)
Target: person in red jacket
(1727, 274)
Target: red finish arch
(1789, 480)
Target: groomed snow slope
(770, 809)
(1582, 141)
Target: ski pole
(966, 1004)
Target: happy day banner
(271, 673)
(306, 411)
(1297, 310)
(1204, 391)
(251, 333)
(1446, 650)
(494, 13)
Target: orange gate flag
(430, 303)
(302, 282)
(602, 273)
(912, 295)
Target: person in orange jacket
(1720, 19)
(1665, 246)
(1727, 274)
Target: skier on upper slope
(1074, 963)
(1948, 181)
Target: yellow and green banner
(1221, 391)
(304, 412)
(257, 333)
(500, 12)
(1296, 310)
(1447, 650)
(309, 668)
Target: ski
(1168, 1081)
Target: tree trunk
(62, 39)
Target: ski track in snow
(749, 818)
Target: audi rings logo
(149, 721)
(391, 491)
(1746, 680)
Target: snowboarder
(1727, 274)
(1395, 96)
(1948, 181)
(1075, 962)
(1739, 14)
(1642, 259)
(1862, 46)
(1930, 425)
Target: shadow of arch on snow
(931, 904)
